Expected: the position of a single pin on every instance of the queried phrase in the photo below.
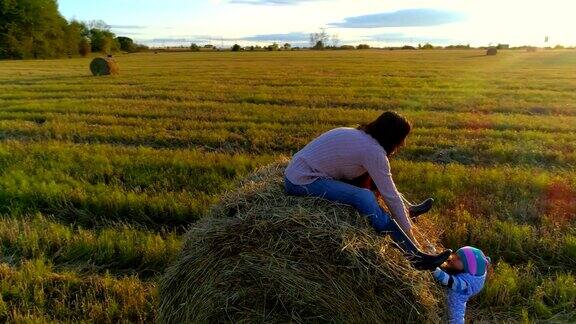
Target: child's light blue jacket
(461, 287)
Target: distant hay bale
(262, 256)
(492, 51)
(104, 66)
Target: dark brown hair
(390, 130)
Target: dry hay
(104, 66)
(492, 51)
(262, 256)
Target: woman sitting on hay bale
(350, 166)
(326, 166)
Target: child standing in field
(463, 274)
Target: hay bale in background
(492, 51)
(262, 256)
(104, 66)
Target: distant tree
(287, 46)
(363, 46)
(84, 48)
(73, 37)
(457, 46)
(427, 46)
(236, 48)
(559, 47)
(408, 47)
(33, 29)
(319, 40)
(335, 40)
(127, 44)
(103, 41)
(273, 47)
(319, 45)
(194, 47)
(347, 47)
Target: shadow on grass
(474, 56)
(34, 81)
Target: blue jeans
(364, 200)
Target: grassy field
(99, 177)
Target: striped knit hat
(475, 262)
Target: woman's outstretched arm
(378, 168)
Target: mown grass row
(119, 250)
(404, 99)
(199, 117)
(34, 292)
(475, 141)
(92, 185)
(148, 110)
(440, 145)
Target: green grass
(99, 177)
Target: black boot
(419, 259)
(423, 207)
(431, 262)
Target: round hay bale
(262, 256)
(104, 66)
(492, 51)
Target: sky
(374, 22)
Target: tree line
(35, 29)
